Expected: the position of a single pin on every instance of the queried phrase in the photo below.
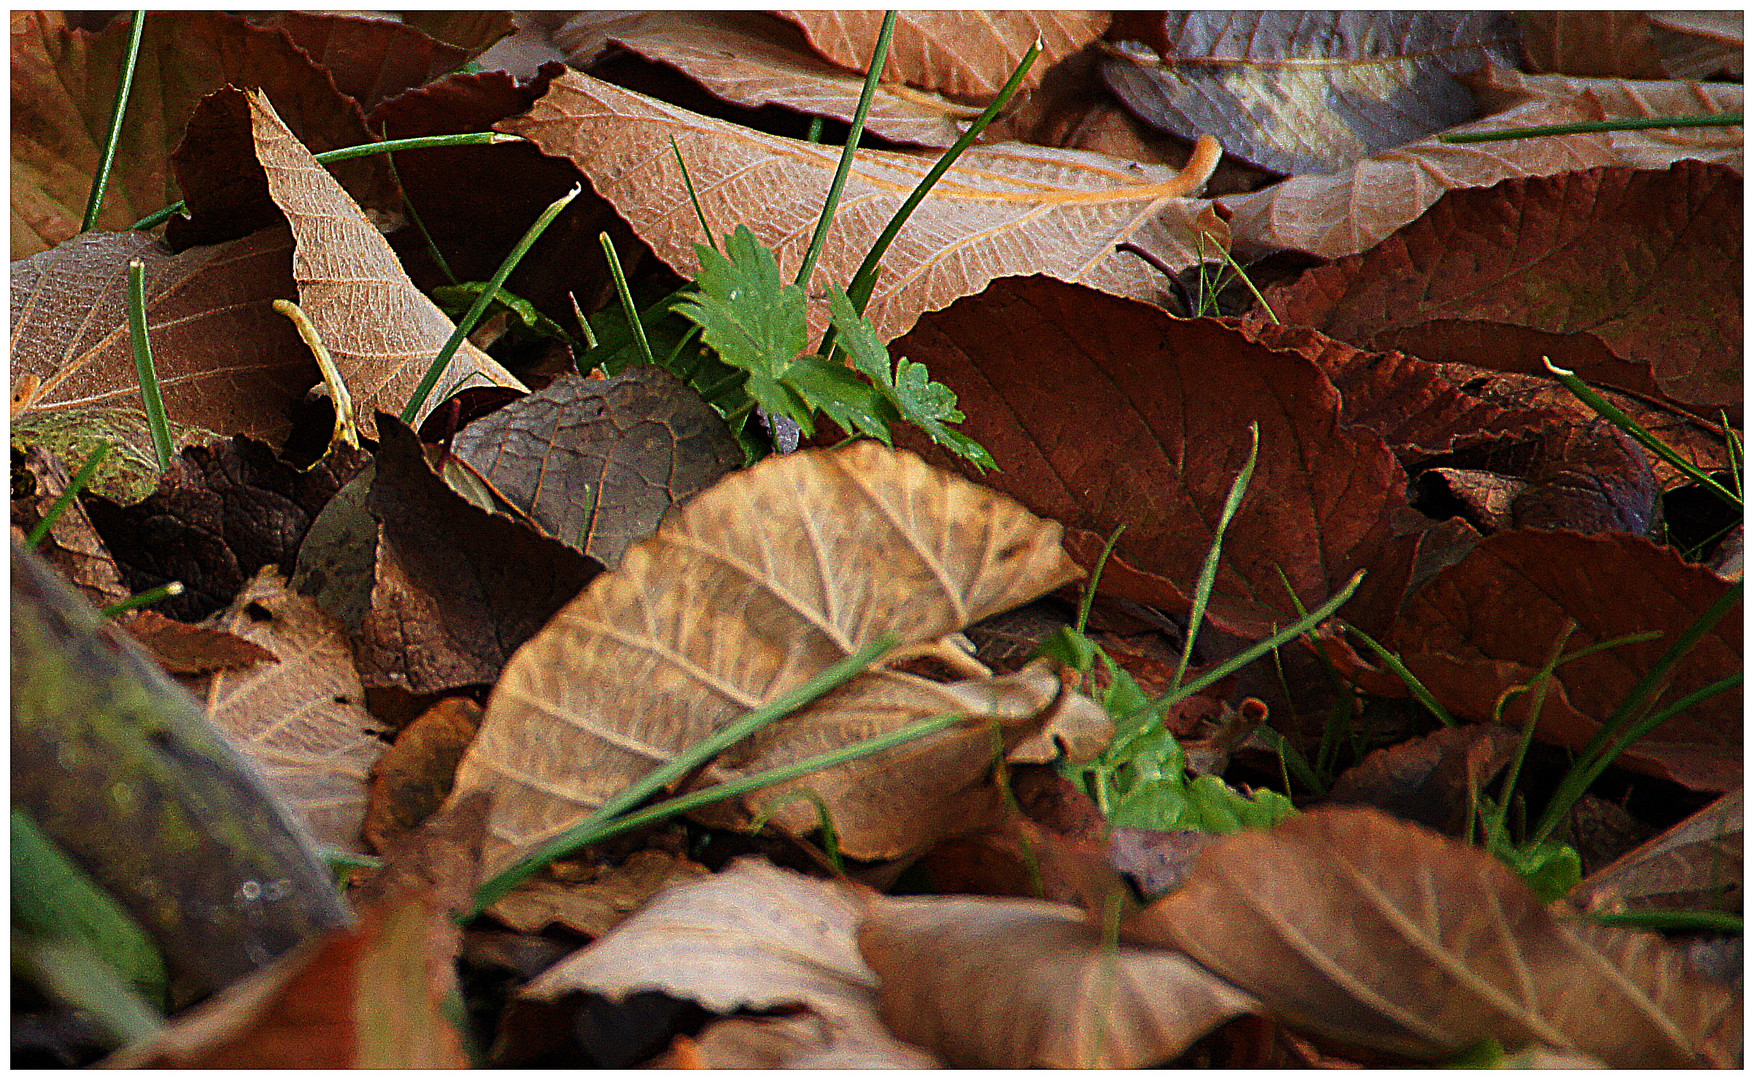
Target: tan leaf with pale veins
(789, 567)
(1006, 209)
(302, 721)
(381, 330)
(1382, 934)
(1017, 984)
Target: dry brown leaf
(594, 906)
(1698, 863)
(1009, 209)
(302, 721)
(1015, 984)
(72, 546)
(413, 777)
(1350, 211)
(226, 361)
(790, 566)
(381, 330)
(753, 937)
(968, 53)
(753, 59)
(1363, 928)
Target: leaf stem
(144, 367)
(676, 768)
(1585, 126)
(873, 74)
(94, 203)
(345, 153)
(443, 359)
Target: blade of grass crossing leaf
(143, 599)
(688, 182)
(679, 766)
(626, 296)
(1089, 596)
(1583, 126)
(345, 153)
(1209, 570)
(824, 822)
(65, 499)
(1607, 411)
(1540, 684)
(94, 203)
(443, 359)
(1707, 922)
(1410, 680)
(1594, 758)
(144, 367)
(879, 56)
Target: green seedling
(145, 368)
(1639, 123)
(65, 499)
(94, 204)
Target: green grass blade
(1493, 820)
(1411, 681)
(1607, 411)
(345, 153)
(1697, 922)
(590, 830)
(879, 56)
(443, 359)
(94, 203)
(1089, 596)
(865, 279)
(1584, 126)
(693, 197)
(65, 499)
(634, 324)
(142, 599)
(432, 247)
(1209, 569)
(144, 367)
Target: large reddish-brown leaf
(1377, 933)
(301, 717)
(1598, 44)
(1491, 622)
(752, 59)
(1011, 209)
(369, 59)
(1611, 260)
(227, 362)
(752, 937)
(1104, 412)
(1350, 211)
(382, 332)
(966, 53)
(64, 87)
(790, 566)
(1017, 984)
(597, 462)
(1309, 91)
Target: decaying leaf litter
(499, 619)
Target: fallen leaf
(72, 546)
(182, 649)
(337, 562)
(1309, 91)
(785, 1042)
(792, 565)
(369, 59)
(226, 361)
(1353, 925)
(1611, 44)
(222, 513)
(1015, 984)
(302, 721)
(1101, 413)
(754, 59)
(382, 332)
(1699, 44)
(1490, 622)
(966, 53)
(1351, 211)
(471, 31)
(1620, 262)
(1433, 780)
(1696, 864)
(596, 905)
(410, 781)
(598, 462)
(752, 937)
(64, 86)
(1000, 210)
(458, 588)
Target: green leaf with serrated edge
(848, 400)
(747, 314)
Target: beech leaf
(1377, 933)
(792, 565)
